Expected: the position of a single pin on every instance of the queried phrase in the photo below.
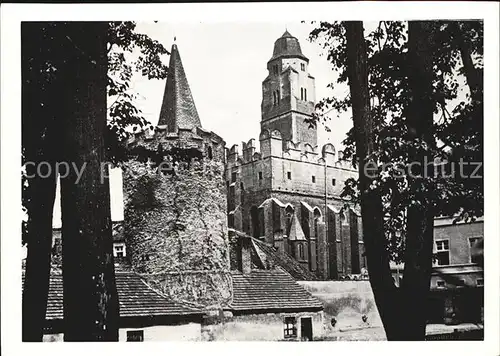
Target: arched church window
(317, 217)
(305, 94)
(289, 215)
(300, 251)
(301, 93)
(254, 215)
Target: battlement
(209, 143)
(272, 144)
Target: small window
(440, 283)
(210, 153)
(302, 67)
(230, 220)
(276, 69)
(305, 94)
(278, 96)
(461, 283)
(233, 177)
(313, 179)
(442, 252)
(301, 93)
(290, 327)
(472, 243)
(242, 187)
(289, 175)
(260, 175)
(119, 250)
(334, 181)
(480, 282)
(135, 335)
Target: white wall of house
(184, 332)
(261, 327)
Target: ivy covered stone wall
(176, 224)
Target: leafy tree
(411, 81)
(55, 55)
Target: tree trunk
(39, 147)
(381, 281)
(420, 217)
(39, 244)
(91, 309)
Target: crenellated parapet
(272, 144)
(211, 145)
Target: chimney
(245, 254)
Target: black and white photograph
(310, 176)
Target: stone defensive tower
(288, 92)
(175, 201)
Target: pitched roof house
(144, 313)
(268, 303)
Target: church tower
(288, 92)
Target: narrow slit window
(313, 179)
(289, 175)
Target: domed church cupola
(287, 46)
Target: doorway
(306, 330)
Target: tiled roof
(285, 261)
(178, 109)
(135, 298)
(272, 289)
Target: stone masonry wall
(175, 228)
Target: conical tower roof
(178, 109)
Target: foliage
(125, 44)
(457, 125)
